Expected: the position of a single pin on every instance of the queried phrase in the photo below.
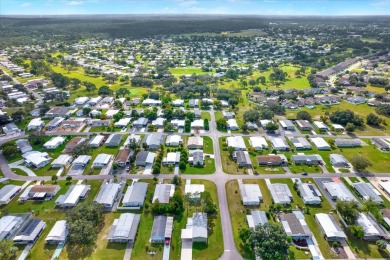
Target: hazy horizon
(196, 7)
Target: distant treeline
(22, 30)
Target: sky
(234, 7)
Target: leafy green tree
(304, 115)
(36, 137)
(7, 249)
(221, 123)
(381, 244)
(271, 126)
(269, 241)
(9, 151)
(69, 179)
(360, 163)
(251, 115)
(350, 127)
(207, 203)
(84, 222)
(373, 119)
(54, 178)
(349, 210)
(357, 231)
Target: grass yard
(362, 110)
(208, 145)
(380, 161)
(214, 248)
(98, 81)
(206, 115)
(310, 220)
(187, 71)
(228, 165)
(142, 244)
(208, 168)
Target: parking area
(319, 182)
(76, 170)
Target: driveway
(148, 169)
(23, 168)
(176, 171)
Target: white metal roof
(329, 225)
(236, 142)
(258, 141)
(59, 231)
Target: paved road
(219, 178)
(36, 95)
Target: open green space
(187, 71)
(208, 145)
(208, 168)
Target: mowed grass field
(187, 71)
(98, 81)
(362, 110)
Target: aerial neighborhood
(269, 142)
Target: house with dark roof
(162, 229)
(113, 140)
(30, 232)
(124, 157)
(135, 195)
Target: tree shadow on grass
(76, 251)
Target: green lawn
(206, 115)
(380, 161)
(142, 244)
(214, 248)
(208, 145)
(187, 71)
(362, 110)
(228, 165)
(98, 81)
(208, 168)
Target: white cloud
(75, 3)
(25, 5)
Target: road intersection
(219, 177)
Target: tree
(343, 117)
(251, 115)
(373, 119)
(7, 249)
(233, 102)
(9, 151)
(36, 137)
(104, 91)
(84, 222)
(357, 231)
(244, 128)
(206, 124)
(304, 115)
(374, 208)
(350, 127)
(182, 165)
(208, 205)
(54, 178)
(123, 92)
(360, 163)
(271, 126)
(176, 181)
(89, 87)
(221, 123)
(349, 210)
(17, 116)
(381, 244)
(69, 179)
(269, 241)
(4, 119)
